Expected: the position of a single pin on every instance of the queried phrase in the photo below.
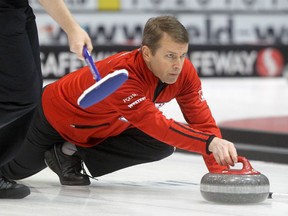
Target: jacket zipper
(160, 87)
(88, 126)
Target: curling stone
(235, 186)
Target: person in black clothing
(21, 77)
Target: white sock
(68, 148)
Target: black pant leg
(130, 148)
(20, 77)
(12, 137)
(20, 69)
(30, 159)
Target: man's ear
(146, 53)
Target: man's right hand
(223, 151)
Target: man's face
(167, 62)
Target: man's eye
(183, 56)
(171, 56)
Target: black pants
(127, 149)
(20, 76)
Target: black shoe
(11, 190)
(68, 168)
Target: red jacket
(132, 105)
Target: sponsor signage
(174, 5)
(57, 61)
(206, 5)
(237, 29)
(239, 61)
(102, 28)
(210, 61)
(217, 29)
(74, 5)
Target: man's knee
(164, 151)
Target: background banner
(210, 61)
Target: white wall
(235, 98)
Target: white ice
(170, 187)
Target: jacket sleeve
(197, 113)
(193, 105)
